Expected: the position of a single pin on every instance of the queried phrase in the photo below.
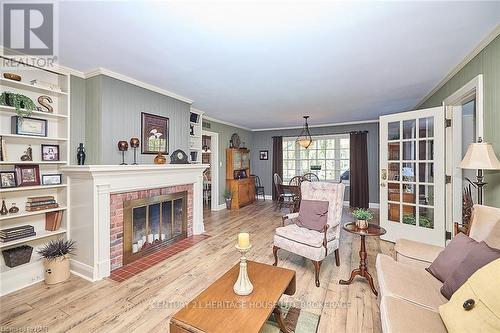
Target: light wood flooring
(144, 302)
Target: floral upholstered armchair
(312, 244)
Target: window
(327, 157)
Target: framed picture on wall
(50, 152)
(264, 155)
(155, 134)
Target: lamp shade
(480, 155)
(304, 139)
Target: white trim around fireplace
(90, 188)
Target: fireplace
(153, 222)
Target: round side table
(372, 230)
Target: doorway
(210, 156)
(464, 111)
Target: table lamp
(480, 156)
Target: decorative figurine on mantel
(123, 147)
(134, 143)
(80, 154)
(14, 209)
(28, 154)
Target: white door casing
(412, 176)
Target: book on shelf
(53, 220)
(5, 240)
(43, 207)
(16, 231)
(3, 149)
(18, 228)
(37, 199)
(40, 203)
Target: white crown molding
(321, 125)
(121, 77)
(198, 111)
(487, 40)
(226, 123)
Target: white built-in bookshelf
(195, 135)
(58, 133)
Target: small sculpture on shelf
(28, 154)
(134, 143)
(80, 154)
(123, 147)
(14, 209)
(160, 159)
(44, 102)
(3, 210)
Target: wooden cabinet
(238, 178)
(243, 191)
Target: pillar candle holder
(123, 147)
(134, 143)
(243, 286)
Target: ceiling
(264, 65)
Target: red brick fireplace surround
(116, 218)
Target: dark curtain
(358, 170)
(277, 161)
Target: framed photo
(27, 175)
(28, 126)
(154, 132)
(7, 179)
(52, 179)
(264, 155)
(50, 152)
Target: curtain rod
(340, 133)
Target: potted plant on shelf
(56, 255)
(24, 105)
(228, 196)
(362, 217)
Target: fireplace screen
(153, 222)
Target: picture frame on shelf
(50, 152)
(264, 155)
(28, 126)
(52, 179)
(27, 175)
(154, 134)
(8, 179)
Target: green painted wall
(225, 132)
(487, 62)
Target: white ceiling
(264, 65)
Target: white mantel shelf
(90, 188)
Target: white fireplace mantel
(90, 187)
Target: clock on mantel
(179, 157)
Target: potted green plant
(24, 105)
(362, 217)
(55, 256)
(228, 196)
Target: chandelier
(304, 139)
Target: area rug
(296, 320)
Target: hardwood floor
(144, 303)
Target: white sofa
(409, 295)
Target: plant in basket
(56, 256)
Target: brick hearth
(116, 218)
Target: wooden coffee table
(219, 309)
(373, 230)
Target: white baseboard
(220, 207)
(374, 205)
(82, 270)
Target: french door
(412, 176)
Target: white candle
(157, 237)
(150, 238)
(243, 240)
(162, 236)
(135, 248)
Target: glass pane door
(408, 167)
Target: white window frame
(336, 157)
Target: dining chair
(294, 187)
(259, 189)
(284, 198)
(311, 177)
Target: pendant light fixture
(304, 139)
